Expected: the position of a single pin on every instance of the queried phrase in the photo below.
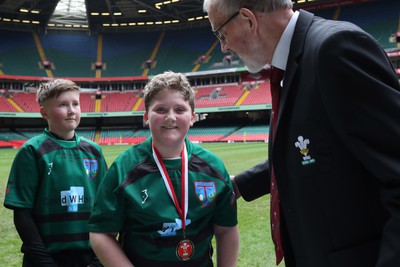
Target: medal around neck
(185, 250)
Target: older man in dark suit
(335, 156)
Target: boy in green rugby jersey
(166, 197)
(52, 184)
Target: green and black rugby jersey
(133, 201)
(58, 180)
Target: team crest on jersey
(206, 192)
(91, 166)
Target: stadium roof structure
(114, 15)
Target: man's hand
(235, 188)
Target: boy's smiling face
(169, 117)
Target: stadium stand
(115, 101)
(112, 136)
(375, 17)
(260, 94)
(71, 54)
(133, 50)
(87, 133)
(180, 50)
(225, 95)
(123, 54)
(88, 102)
(19, 55)
(6, 106)
(249, 133)
(214, 133)
(26, 101)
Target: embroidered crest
(91, 166)
(304, 151)
(206, 192)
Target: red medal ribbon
(183, 208)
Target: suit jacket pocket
(361, 255)
(308, 150)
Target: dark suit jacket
(337, 150)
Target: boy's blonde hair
(53, 89)
(168, 80)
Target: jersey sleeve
(226, 210)
(103, 165)
(24, 180)
(108, 211)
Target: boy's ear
(193, 120)
(146, 118)
(43, 112)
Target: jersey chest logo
(72, 198)
(206, 192)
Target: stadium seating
(125, 101)
(261, 94)
(249, 133)
(112, 102)
(87, 133)
(123, 54)
(71, 54)
(5, 106)
(228, 95)
(26, 101)
(19, 55)
(210, 134)
(376, 18)
(379, 18)
(112, 136)
(11, 139)
(88, 102)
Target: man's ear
(249, 18)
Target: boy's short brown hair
(53, 89)
(168, 80)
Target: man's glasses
(216, 32)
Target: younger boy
(166, 197)
(52, 184)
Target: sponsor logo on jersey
(169, 229)
(72, 198)
(206, 192)
(91, 166)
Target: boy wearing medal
(166, 198)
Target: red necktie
(276, 76)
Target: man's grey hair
(228, 7)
